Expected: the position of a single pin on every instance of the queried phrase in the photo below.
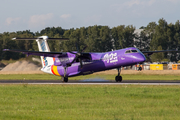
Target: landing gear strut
(118, 78)
(64, 79)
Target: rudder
(44, 47)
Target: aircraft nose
(140, 58)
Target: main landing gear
(64, 79)
(118, 78)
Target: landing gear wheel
(64, 79)
(118, 78)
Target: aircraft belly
(88, 68)
(70, 71)
(93, 67)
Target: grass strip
(125, 102)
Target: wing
(151, 52)
(50, 54)
(39, 53)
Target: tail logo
(43, 46)
(45, 62)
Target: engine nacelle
(61, 61)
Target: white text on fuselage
(110, 58)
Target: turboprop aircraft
(75, 63)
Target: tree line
(154, 36)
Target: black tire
(118, 78)
(64, 79)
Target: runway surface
(94, 82)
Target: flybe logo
(110, 58)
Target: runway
(94, 82)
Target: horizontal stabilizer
(40, 38)
(39, 53)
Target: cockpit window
(128, 51)
(131, 51)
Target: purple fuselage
(100, 61)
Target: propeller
(78, 57)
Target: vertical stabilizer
(43, 46)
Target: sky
(35, 15)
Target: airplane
(75, 63)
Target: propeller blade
(84, 48)
(73, 60)
(72, 52)
(77, 47)
(81, 64)
(79, 56)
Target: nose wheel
(118, 78)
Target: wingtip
(5, 49)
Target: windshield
(131, 51)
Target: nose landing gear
(118, 78)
